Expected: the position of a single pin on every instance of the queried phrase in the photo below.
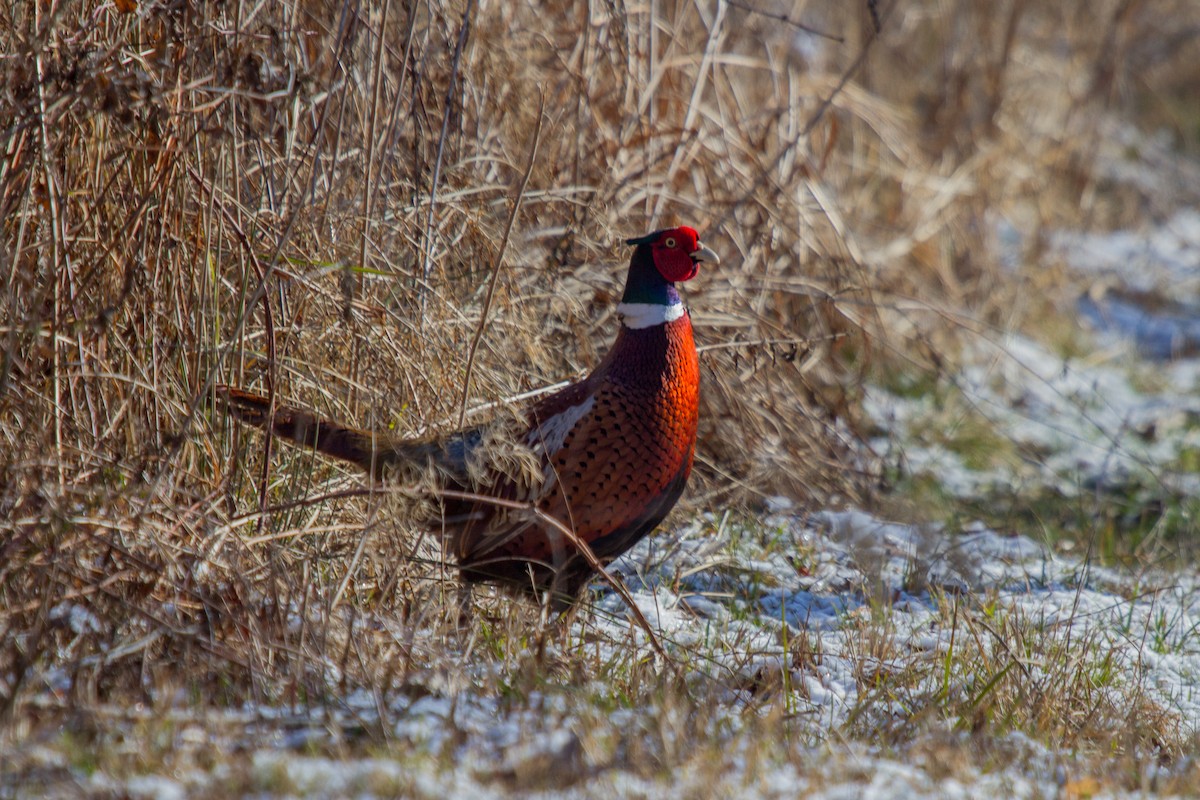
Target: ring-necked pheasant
(615, 449)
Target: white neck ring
(648, 315)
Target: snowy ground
(734, 606)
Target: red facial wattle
(675, 254)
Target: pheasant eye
(670, 241)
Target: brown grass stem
(518, 194)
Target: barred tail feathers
(367, 450)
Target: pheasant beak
(702, 253)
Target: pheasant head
(661, 259)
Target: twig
(580, 545)
(804, 340)
(570, 535)
(487, 303)
(764, 176)
(785, 19)
(268, 324)
(348, 278)
(59, 259)
(427, 254)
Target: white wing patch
(550, 433)
(548, 436)
(647, 315)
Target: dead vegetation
(310, 198)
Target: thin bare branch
(518, 194)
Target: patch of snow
(154, 787)
(1148, 623)
(1160, 330)
(1160, 258)
(1088, 424)
(77, 617)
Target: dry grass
(310, 198)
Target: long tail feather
(362, 448)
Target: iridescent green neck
(645, 284)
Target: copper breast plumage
(616, 453)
